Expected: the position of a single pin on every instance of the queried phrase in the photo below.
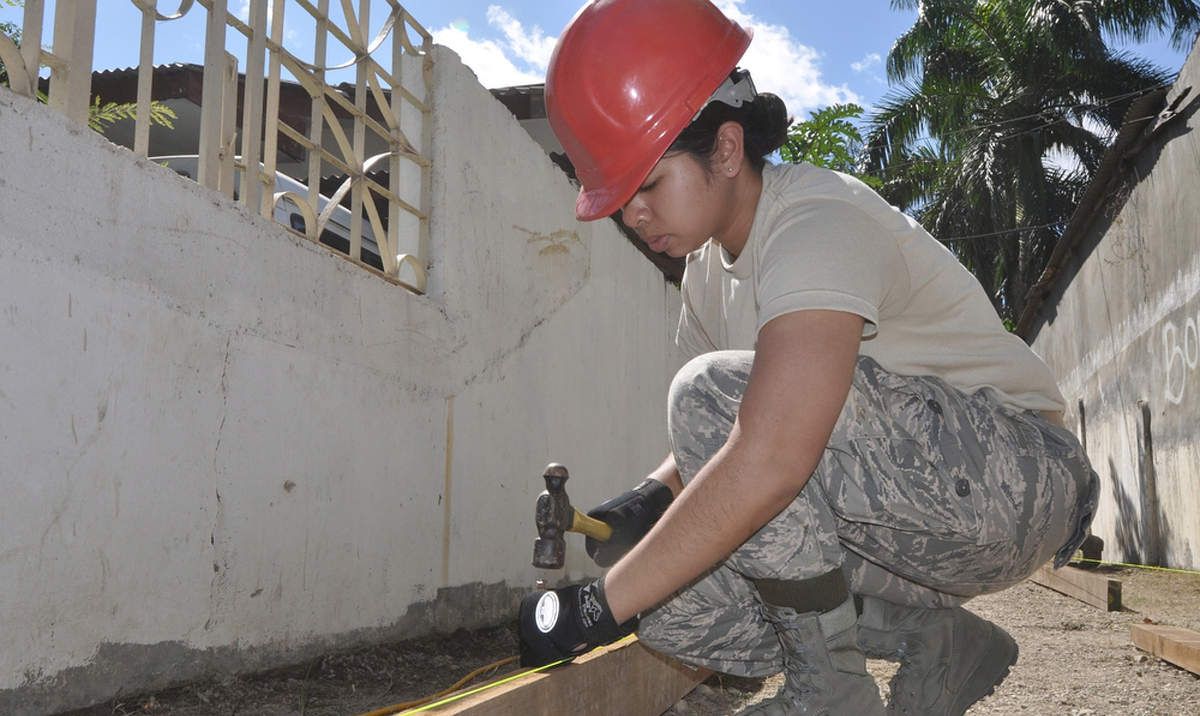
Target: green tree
(1001, 112)
(828, 138)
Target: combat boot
(949, 658)
(825, 673)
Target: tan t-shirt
(824, 240)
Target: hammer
(554, 516)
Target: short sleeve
(831, 256)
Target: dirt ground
(1075, 660)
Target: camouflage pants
(924, 496)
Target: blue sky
(810, 52)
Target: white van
(336, 233)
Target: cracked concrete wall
(1121, 334)
(224, 448)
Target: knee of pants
(702, 405)
(716, 379)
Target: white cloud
(490, 60)
(866, 63)
(783, 66)
(520, 57)
(532, 46)
(779, 63)
(866, 66)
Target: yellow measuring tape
(405, 706)
(485, 687)
(420, 705)
(1137, 566)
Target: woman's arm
(803, 366)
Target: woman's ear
(730, 149)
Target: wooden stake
(1174, 644)
(1088, 587)
(625, 678)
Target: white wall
(222, 447)
(1122, 336)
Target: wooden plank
(1088, 587)
(1174, 644)
(625, 678)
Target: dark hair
(764, 123)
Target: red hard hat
(626, 77)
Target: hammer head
(552, 517)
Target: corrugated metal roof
(122, 72)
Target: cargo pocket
(893, 482)
(897, 462)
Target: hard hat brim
(602, 201)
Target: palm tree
(1000, 115)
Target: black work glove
(566, 622)
(631, 515)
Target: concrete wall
(224, 448)
(1123, 337)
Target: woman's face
(679, 206)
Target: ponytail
(764, 123)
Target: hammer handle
(589, 526)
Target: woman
(858, 446)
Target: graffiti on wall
(1153, 320)
(1181, 353)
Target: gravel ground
(1075, 660)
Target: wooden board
(1174, 644)
(625, 678)
(1087, 587)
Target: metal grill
(389, 108)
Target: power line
(1102, 102)
(1028, 130)
(1025, 229)
(1005, 232)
